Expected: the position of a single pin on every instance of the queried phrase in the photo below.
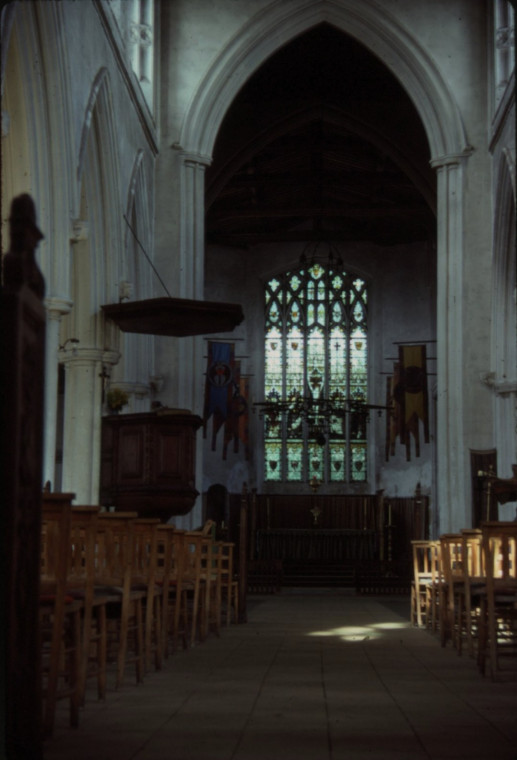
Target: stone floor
(313, 675)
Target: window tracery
(316, 351)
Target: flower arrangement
(116, 399)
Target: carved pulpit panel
(22, 357)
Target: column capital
(505, 387)
(88, 356)
(110, 356)
(452, 159)
(80, 230)
(193, 158)
(57, 307)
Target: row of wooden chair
(118, 588)
(465, 588)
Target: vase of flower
(116, 399)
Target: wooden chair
(115, 545)
(143, 577)
(229, 584)
(451, 587)
(498, 616)
(473, 583)
(80, 584)
(422, 583)
(169, 575)
(437, 581)
(60, 617)
(195, 583)
(211, 573)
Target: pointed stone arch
(374, 27)
(95, 273)
(460, 415)
(99, 137)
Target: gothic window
(504, 46)
(136, 22)
(315, 375)
(141, 41)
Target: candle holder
(315, 510)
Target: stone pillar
(192, 224)
(450, 441)
(83, 411)
(189, 370)
(56, 308)
(192, 247)
(464, 265)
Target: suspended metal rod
(146, 256)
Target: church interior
(259, 304)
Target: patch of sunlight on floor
(390, 626)
(348, 633)
(359, 633)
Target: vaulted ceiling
(322, 142)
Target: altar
(325, 545)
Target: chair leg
(76, 661)
(122, 646)
(153, 633)
(102, 646)
(140, 642)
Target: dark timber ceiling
(322, 142)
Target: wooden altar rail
(371, 511)
(409, 518)
(299, 544)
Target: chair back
(55, 543)
(145, 547)
(114, 549)
(81, 558)
(473, 565)
(499, 546)
(451, 547)
(422, 560)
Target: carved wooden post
(243, 554)
(22, 356)
(380, 522)
(252, 552)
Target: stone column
(189, 351)
(192, 224)
(192, 247)
(83, 411)
(56, 308)
(464, 265)
(450, 441)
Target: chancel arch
(372, 26)
(451, 155)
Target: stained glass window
(316, 352)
